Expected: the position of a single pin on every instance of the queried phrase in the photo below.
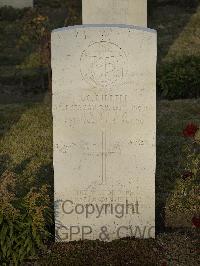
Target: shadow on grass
(9, 116)
(4, 162)
(22, 166)
(170, 21)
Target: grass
(26, 149)
(172, 117)
(26, 142)
(26, 136)
(178, 34)
(178, 31)
(16, 51)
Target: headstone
(16, 3)
(104, 126)
(129, 12)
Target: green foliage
(179, 78)
(185, 198)
(25, 199)
(22, 221)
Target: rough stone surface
(104, 126)
(129, 12)
(17, 3)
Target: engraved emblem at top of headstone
(103, 64)
(129, 12)
(16, 3)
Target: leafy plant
(23, 221)
(179, 78)
(185, 198)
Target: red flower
(190, 130)
(187, 174)
(196, 221)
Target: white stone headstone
(104, 123)
(16, 3)
(129, 12)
